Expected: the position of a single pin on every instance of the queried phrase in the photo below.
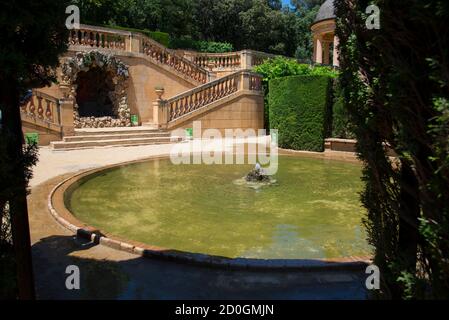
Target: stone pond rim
(64, 217)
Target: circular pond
(313, 211)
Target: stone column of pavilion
(324, 38)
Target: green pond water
(312, 212)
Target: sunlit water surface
(312, 212)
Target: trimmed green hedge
(200, 46)
(300, 111)
(161, 37)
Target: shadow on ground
(143, 278)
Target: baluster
(221, 89)
(82, 38)
(48, 113)
(32, 106)
(195, 105)
(187, 105)
(209, 95)
(40, 109)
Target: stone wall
(242, 111)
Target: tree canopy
(264, 25)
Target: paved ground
(109, 273)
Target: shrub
(341, 126)
(299, 109)
(161, 37)
(200, 46)
(279, 67)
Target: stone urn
(159, 91)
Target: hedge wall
(161, 37)
(201, 46)
(300, 111)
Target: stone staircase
(218, 89)
(108, 137)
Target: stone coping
(64, 217)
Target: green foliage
(279, 67)
(400, 99)
(341, 126)
(245, 24)
(33, 38)
(214, 47)
(201, 46)
(161, 37)
(299, 109)
(282, 67)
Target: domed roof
(327, 11)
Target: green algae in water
(313, 210)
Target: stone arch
(93, 60)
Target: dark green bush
(279, 67)
(201, 46)
(299, 110)
(341, 126)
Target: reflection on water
(313, 211)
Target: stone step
(116, 136)
(63, 145)
(115, 131)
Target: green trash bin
(189, 133)
(32, 138)
(135, 120)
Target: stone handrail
(99, 37)
(41, 106)
(244, 59)
(161, 54)
(107, 38)
(176, 107)
(218, 61)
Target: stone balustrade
(160, 54)
(106, 38)
(43, 107)
(245, 59)
(189, 63)
(172, 109)
(97, 37)
(218, 61)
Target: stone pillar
(319, 51)
(244, 81)
(66, 106)
(246, 59)
(336, 63)
(326, 53)
(133, 43)
(160, 111)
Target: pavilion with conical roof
(325, 42)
